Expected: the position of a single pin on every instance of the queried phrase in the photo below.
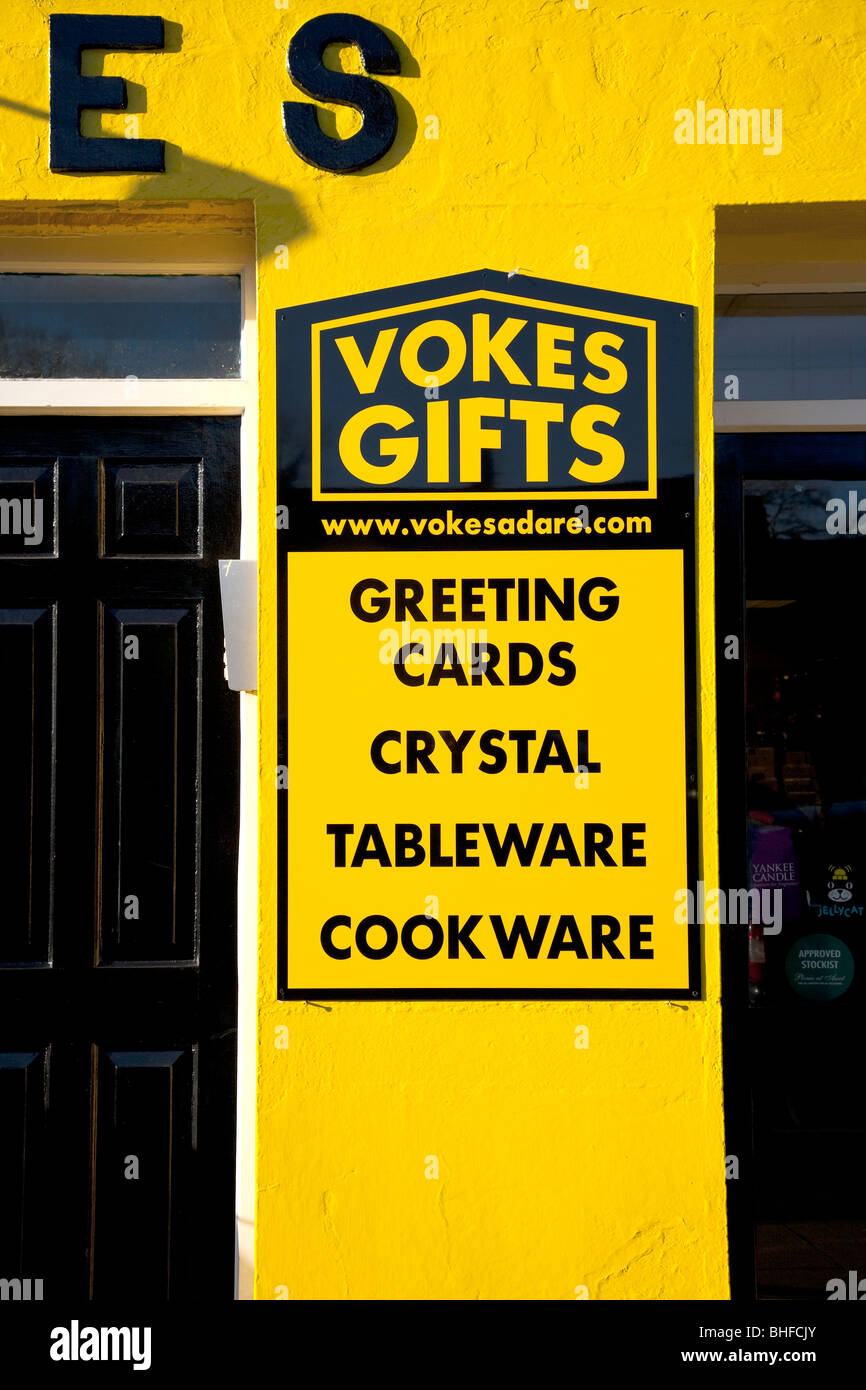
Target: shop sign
(486, 740)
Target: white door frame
(204, 254)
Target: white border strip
(802, 416)
(124, 396)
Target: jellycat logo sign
(484, 392)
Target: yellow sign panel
(486, 772)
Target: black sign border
(676, 453)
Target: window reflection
(149, 326)
(783, 347)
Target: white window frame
(232, 254)
(133, 395)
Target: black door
(118, 858)
(791, 564)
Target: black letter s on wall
(374, 101)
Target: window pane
(785, 347)
(149, 326)
(810, 509)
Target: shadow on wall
(201, 180)
(212, 180)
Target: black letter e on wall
(71, 93)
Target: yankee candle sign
(485, 589)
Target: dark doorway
(118, 853)
(791, 583)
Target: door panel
(151, 696)
(118, 854)
(152, 509)
(23, 1089)
(144, 1131)
(27, 637)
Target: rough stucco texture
(559, 1167)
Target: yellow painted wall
(559, 1167)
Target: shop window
(154, 327)
(801, 767)
(786, 347)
